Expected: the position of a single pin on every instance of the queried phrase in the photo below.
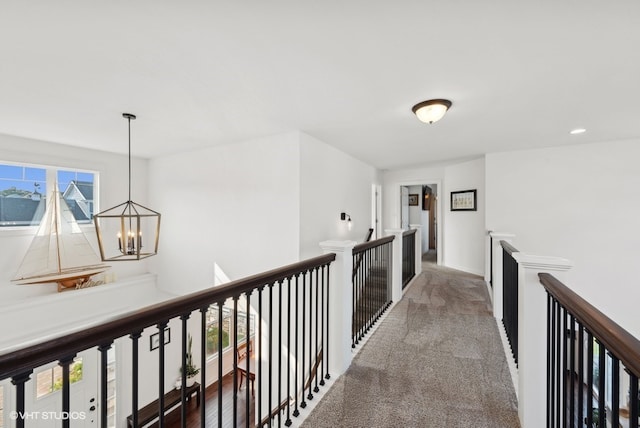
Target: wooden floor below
(210, 402)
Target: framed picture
(464, 200)
(154, 339)
(413, 199)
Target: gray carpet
(435, 361)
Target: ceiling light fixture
(577, 131)
(432, 110)
(125, 223)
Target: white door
(43, 394)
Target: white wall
(332, 182)
(113, 183)
(464, 233)
(579, 202)
(235, 205)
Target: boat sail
(60, 252)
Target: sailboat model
(60, 252)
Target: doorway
(419, 205)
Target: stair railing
(510, 296)
(371, 285)
(408, 256)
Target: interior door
(43, 394)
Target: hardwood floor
(211, 408)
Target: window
(22, 195)
(227, 328)
(23, 191)
(49, 380)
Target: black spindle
(235, 361)
(104, 349)
(288, 422)
(66, 389)
(161, 357)
(615, 391)
(220, 333)
(296, 412)
(19, 381)
(589, 378)
(315, 354)
(203, 363)
(634, 401)
(327, 376)
(310, 394)
(183, 382)
(303, 403)
(601, 384)
(135, 336)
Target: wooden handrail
(409, 232)
(616, 339)
(372, 244)
(25, 359)
(509, 248)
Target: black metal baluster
(235, 361)
(558, 380)
(354, 312)
(203, 364)
(104, 349)
(183, 382)
(19, 381)
(66, 389)
(161, 346)
(135, 336)
(247, 409)
(296, 412)
(328, 376)
(315, 354)
(550, 351)
(270, 395)
(634, 401)
(310, 394)
(220, 333)
(601, 384)
(288, 421)
(279, 350)
(303, 403)
(572, 366)
(259, 363)
(589, 403)
(615, 391)
(322, 331)
(580, 375)
(565, 344)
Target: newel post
(418, 228)
(496, 281)
(340, 305)
(396, 264)
(532, 335)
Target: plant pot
(191, 381)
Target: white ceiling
(200, 73)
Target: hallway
(436, 360)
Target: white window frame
(51, 178)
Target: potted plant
(191, 370)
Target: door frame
(397, 189)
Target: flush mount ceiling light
(577, 131)
(124, 224)
(432, 110)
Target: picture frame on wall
(413, 199)
(464, 200)
(154, 339)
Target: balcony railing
(586, 350)
(408, 256)
(590, 363)
(291, 347)
(510, 296)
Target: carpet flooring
(436, 360)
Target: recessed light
(577, 131)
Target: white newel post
(532, 335)
(496, 249)
(396, 264)
(340, 305)
(418, 228)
